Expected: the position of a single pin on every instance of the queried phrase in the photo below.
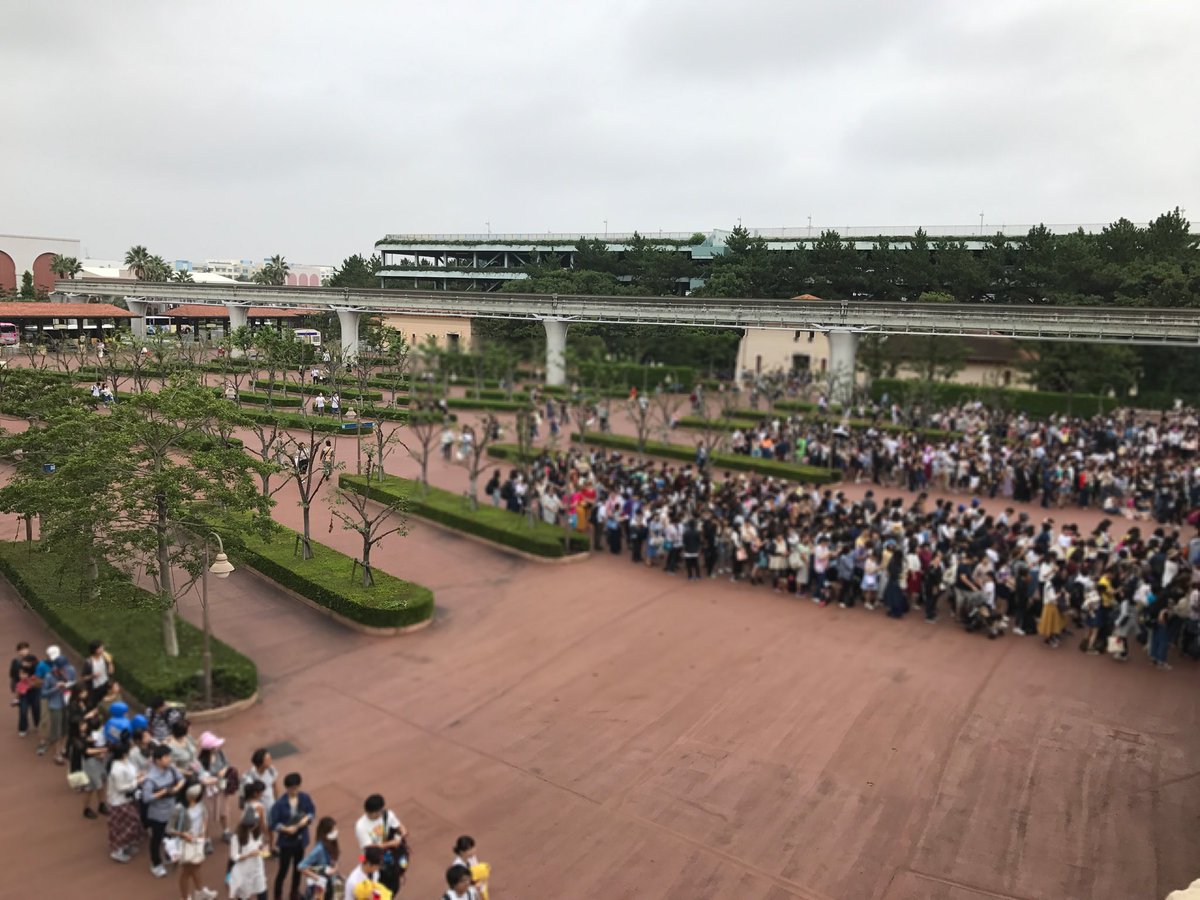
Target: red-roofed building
(21, 321)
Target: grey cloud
(311, 128)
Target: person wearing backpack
(381, 829)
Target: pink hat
(209, 741)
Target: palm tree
(274, 271)
(156, 269)
(65, 266)
(137, 258)
(183, 275)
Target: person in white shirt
(366, 871)
(459, 879)
(381, 829)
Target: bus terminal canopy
(39, 312)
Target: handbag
(172, 849)
(77, 781)
(193, 853)
(1116, 646)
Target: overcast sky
(312, 128)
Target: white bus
(10, 335)
(159, 325)
(308, 336)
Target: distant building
(302, 275)
(448, 333)
(21, 253)
(995, 362)
(237, 269)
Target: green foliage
(326, 580)
(733, 461)
(128, 625)
(357, 271)
(274, 271)
(1083, 368)
(489, 522)
(644, 378)
(28, 292)
(1033, 403)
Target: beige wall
(768, 350)
(417, 329)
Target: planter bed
(732, 461)
(489, 522)
(127, 619)
(325, 581)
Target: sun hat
(52, 652)
(209, 741)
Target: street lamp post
(220, 567)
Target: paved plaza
(607, 731)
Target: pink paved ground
(605, 731)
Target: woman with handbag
(189, 824)
(124, 815)
(319, 866)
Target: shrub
(349, 390)
(643, 378)
(1032, 403)
(325, 579)
(733, 461)
(495, 405)
(130, 624)
(490, 522)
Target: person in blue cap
(118, 724)
(139, 723)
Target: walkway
(607, 731)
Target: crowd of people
(1126, 465)
(160, 787)
(992, 573)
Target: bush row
(733, 461)
(1033, 403)
(308, 389)
(489, 522)
(128, 621)
(326, 580)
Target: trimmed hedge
(293, 401)
(641, 377)
(130, 625)
(1032, 403)
(325, 579)
(320, 424)
(495, 405)
(490, 522)
(308, 389)
(734, 461)
(749, 421)
(512, 453)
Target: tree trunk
(306, 540)
(91, 572)
(266, 483)
(367, 580)
(166, 587)
(472, 479)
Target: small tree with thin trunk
(302, 464)
(715, 420)
(638, 410)
(665, 410)
(475, 456)
(357, 513)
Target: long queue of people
(159, 787)
(1138, 468)
(992, 573)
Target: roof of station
(203, 311)
(62, 311)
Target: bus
(159, 325)
(10, 334)
(308, 336)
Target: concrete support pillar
(137, 324)
(348, 319)
(556, 346)
(843, 352)
(239, 317)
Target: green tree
(28, 291)
(137, 258)
(274, 271)
(183, 275)
(1077, 368)
(175, 477)
(357, 271)
(65, 266)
